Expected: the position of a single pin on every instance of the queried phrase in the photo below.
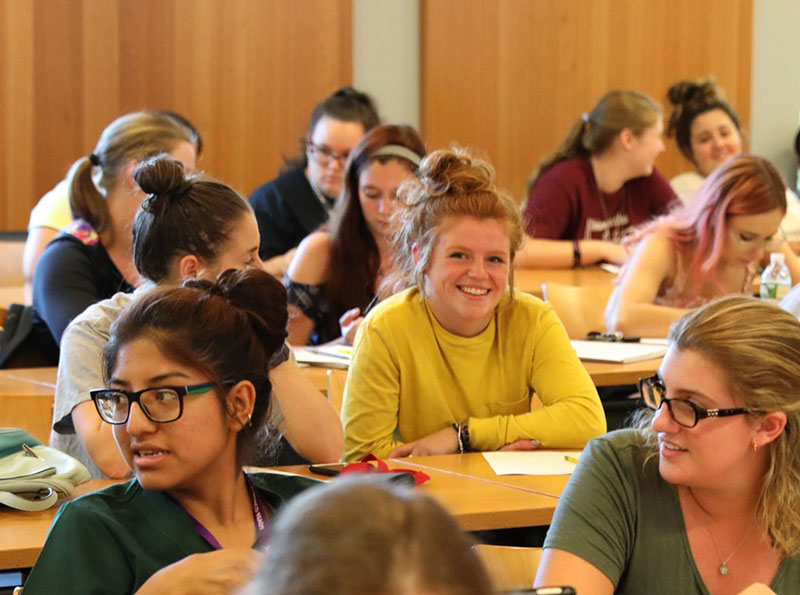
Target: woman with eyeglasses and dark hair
(188, 395)
(301, 199)
(702, 251)
(703, 494)
(335, 275)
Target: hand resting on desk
(445, 441)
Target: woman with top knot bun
(451, 363)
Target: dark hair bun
(160, 177)
(698, 92)
(257, 293)
(454, 171)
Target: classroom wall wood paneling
(509, 77)
(246, 72)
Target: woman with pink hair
(702, 251)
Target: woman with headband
(334, 276)
(598, 185)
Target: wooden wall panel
(509, 77)
(246, 72)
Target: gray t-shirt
(80, 369)
(618, 514)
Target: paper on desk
(532, 462)
(620, 353)
(315, 358)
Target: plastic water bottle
(775, 280)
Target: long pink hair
(743, 185)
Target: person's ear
(189, 267)
(769, 427)
(415, 253)
(627, 139)
(127, 175)
(240, 401)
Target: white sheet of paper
(621, 353)
(532, 462)
(305, 356)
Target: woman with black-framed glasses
(187, 371)
(703, 495)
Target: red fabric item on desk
(380, 466)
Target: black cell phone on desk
(327, 469)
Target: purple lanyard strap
(259, 517)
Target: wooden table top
(22, 533)
(475, 503)
(530, 280)
(473, 465)
(11, 294)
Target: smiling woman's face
(468, 273)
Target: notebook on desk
(329, 356)
(617, 352)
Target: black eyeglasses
(685, 413)
(162, 404)
(324, 156)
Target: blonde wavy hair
(449, 183)
(757, 347)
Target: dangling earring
(250, 421)
(755, 446)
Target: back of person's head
(743, 185)
(596, 130)
(228, 330)
(355, 258)
(689, 99)
(353, 537)
(196, 139)
(756, 346)
(134, 136)
(180, 216)
(449, 183)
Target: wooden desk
(11, 294)
(22, 534)
(476, 504)
(26, 400)
(530, 280)
(473, 465)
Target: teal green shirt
(618, 514)
(111, 541)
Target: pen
(570, 459)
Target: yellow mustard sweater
(409, 377)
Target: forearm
(569, 423)
(560, 254)
(643, 320)
(98, 438)
(310, 423)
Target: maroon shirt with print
(565, 204)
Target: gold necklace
(723, 567)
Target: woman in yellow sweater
(451, 364)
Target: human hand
(614, 253)
(211, 573)
(348, 324)
(445, 441)
(522, 444)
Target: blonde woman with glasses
(703, 496)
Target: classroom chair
(581, 309)
(336, 380)
(510, 568)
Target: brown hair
(180, 216)
(449, 183)
(228, 330)
(345, 104)
(354, 255)
(595, 131)
(134, 136)
(689, 99)
(757, 347)
(356, 537)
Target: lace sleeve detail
(309, 299)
